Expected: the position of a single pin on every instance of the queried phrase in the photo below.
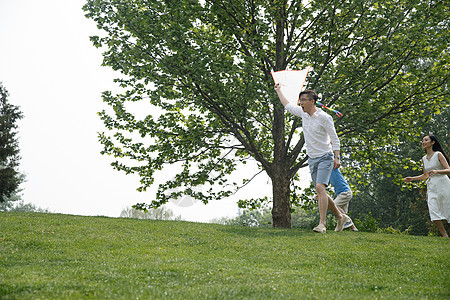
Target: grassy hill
(53, 256)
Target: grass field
(53, 256)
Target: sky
(54, 74)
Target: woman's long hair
(437, 146)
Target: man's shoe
(320, 228)
(341, 223)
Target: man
(321, 142)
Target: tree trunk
(281, 210)
(279, 173)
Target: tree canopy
(203, 68)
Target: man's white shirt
(318, 131)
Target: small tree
(10, 178)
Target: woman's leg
(440, 225)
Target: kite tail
(339, 114)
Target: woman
(435, 169)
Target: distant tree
(262, 217)
(394, 203)
(160, 213)
(10, 202)
(10, 177)
(203, 68)
(249, 217)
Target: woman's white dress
(438, 190)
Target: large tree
(10, 177)
(204, 69)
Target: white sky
(54, 74)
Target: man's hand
(336, 163)
(283, 99)
(277, 87)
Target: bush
(393, 230)
(368, 223)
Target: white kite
(291, 82)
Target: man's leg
(323, 169)
(336, 210)
(323, 202)
(320, 174)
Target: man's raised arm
(283, 99)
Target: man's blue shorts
(320, 168)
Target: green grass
(53, 256)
